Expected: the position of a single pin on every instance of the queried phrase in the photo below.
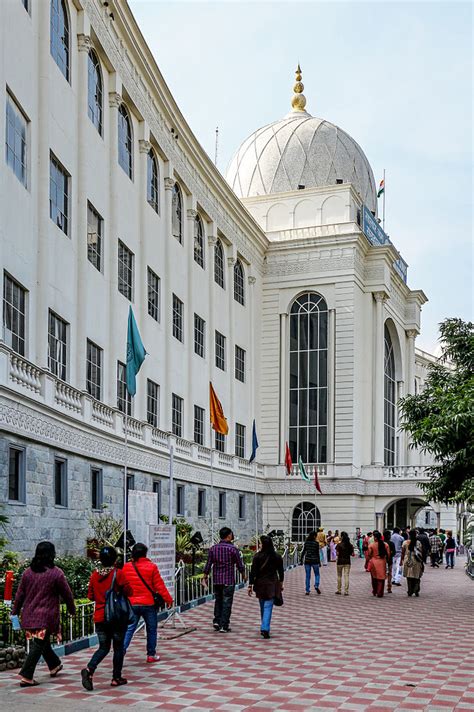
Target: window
(58, 195)
(242, 508)
(153, 295)
(308, 378)
(94, 237)
(240, 364)
(180, 500)
(152, 403)
(60, 482)
(177, 214)
(240, 440)
(152, 181)
(199, 335)
(219, 264)
(125, 140)
(220, 442)
(239, 290)
(97, 495)
(94, 91)
(130, 481)
(306, 518)
(198, 242)
(125, 271)
(220, 350)
(198, 425)
(16, 140)
(176, 415)
(124, 399)
(94, 370)
(59, 35)
(177, 318)
(222, 505)
(390, 389)
(157, 491)
(14, 299)
(16, 474)
(201, 503)
(57, 345)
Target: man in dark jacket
(223, 558)
(311, 560)
(424, 540)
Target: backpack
(118, 609)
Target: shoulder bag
(117, 609)
(158, 600)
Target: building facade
(107, 200)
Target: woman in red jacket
(100, 582)
(145, 579)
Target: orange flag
(219, 423)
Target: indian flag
(381, 188)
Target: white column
(140, 304)
(191, 215)
(331, 384)
(78, 340)
(378, 428)
(231, 353)
(283, 384)
(413, 456)
(166, 302)
(212, 242)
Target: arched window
(125, 140)
(177, 214)
(94, 91)
(309, 378)
(198, 242)
(219, 264)
(306, 518)
(239, 290)
(59, 35)
(389, 395)
(152, 181)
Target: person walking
(266, 581)
(436, 547)
(378, 554)
(344, 551)
(412, 562)
(397, 540)
(450, 549)
(310, 557)
(103, 579)
(145, 580)
(368, 539)
(323, 543)
(41, 588)
(387, 537)
(425, 543)
(224, 558)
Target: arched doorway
(306, 518)
(403, 512)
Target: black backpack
(118, 609)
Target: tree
(440, 419)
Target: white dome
(300, 149)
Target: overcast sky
(396, 76)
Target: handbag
(158, 600)
(278, 597)
(117, 609)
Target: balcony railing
(405, 472)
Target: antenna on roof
(217, 145)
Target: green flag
(135, 353)
(303, 474)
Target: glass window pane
(294, 370)
(313, 330)
(303, 371)
(323, 368)
(303, 407)
(304, 336)
(323, 330)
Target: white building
(106, 200)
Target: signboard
(162, 551)
(371, 228)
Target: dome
(300, 149)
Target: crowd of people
(123, 596)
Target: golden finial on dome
(298, 102)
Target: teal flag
(135, 353)
(303, 474)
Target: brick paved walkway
(326, 652)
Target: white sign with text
(162, 551)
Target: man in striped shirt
(223, 558)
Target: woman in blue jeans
(266, 581)
(311, 559)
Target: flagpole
(212, 486)
(255, 503)
(384, 191)
(125, 483)
(171, 484)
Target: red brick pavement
(326, 653)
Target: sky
(396, 76)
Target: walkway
(327, 653)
